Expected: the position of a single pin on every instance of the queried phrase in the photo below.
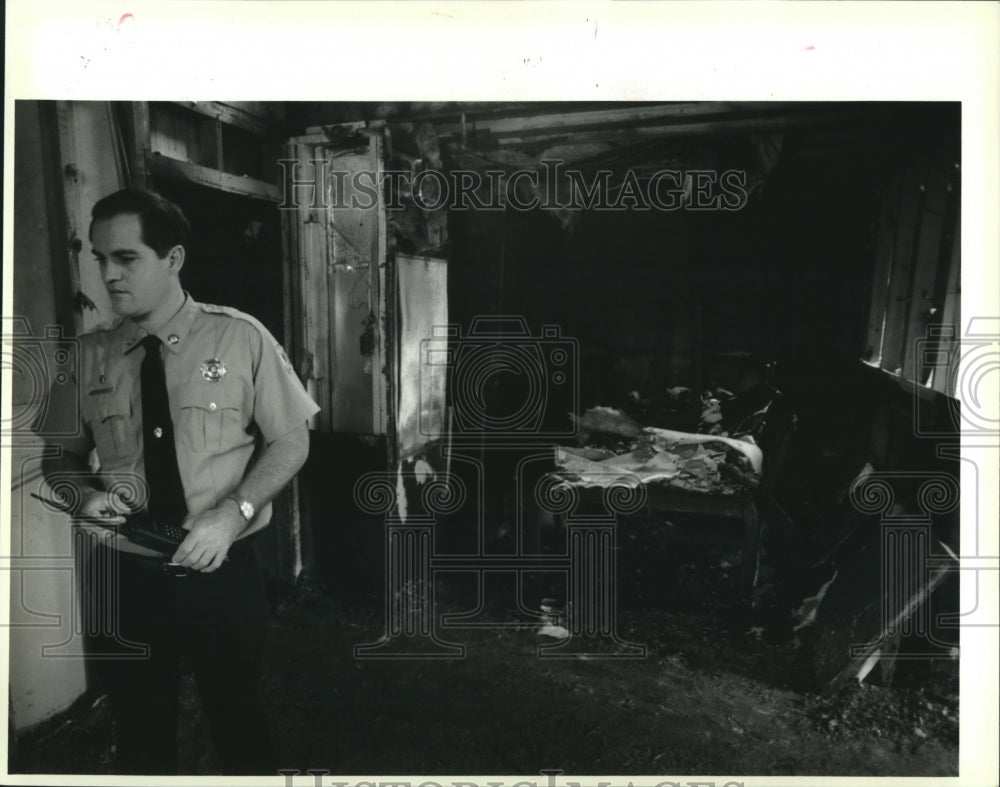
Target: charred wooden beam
(886, 645)
(162, 166)
(608, 118)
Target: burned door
(338, 269)
(365, 313)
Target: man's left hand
(212, 533)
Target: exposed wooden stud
(907, 227)
(952, 311)
(291, 324)
(210, 142)
(299, 514)
(234, 116)
(317, 249)
(389, 319)
(140, 144)
(314, 285)
(69, 164)
(376, 272)
(63, 287)
(879, 297)
(122, 164)
(925, 272)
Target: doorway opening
(234, 257)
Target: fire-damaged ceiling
(570, 157)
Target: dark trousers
(141, 621)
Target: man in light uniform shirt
(238, 417)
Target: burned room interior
(611, 486)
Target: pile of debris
(615, 449)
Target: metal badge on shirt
(213, 370)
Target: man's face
(136, 277)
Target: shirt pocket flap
(109, 405)
(210, 397)
(110, 415)
(211, 418)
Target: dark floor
(709, 697)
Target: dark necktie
(166, 493)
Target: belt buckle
(175, 569)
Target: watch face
(247, 510)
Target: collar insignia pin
(213, 370)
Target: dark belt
(238, 550)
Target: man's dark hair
(164, 225)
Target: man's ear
(176, 258)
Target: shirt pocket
(210, 417)
(113, 425)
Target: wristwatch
(246, 507)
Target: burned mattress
(618, 451)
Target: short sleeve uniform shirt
(232, 390)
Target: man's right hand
(107, 507)
(100, 513)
